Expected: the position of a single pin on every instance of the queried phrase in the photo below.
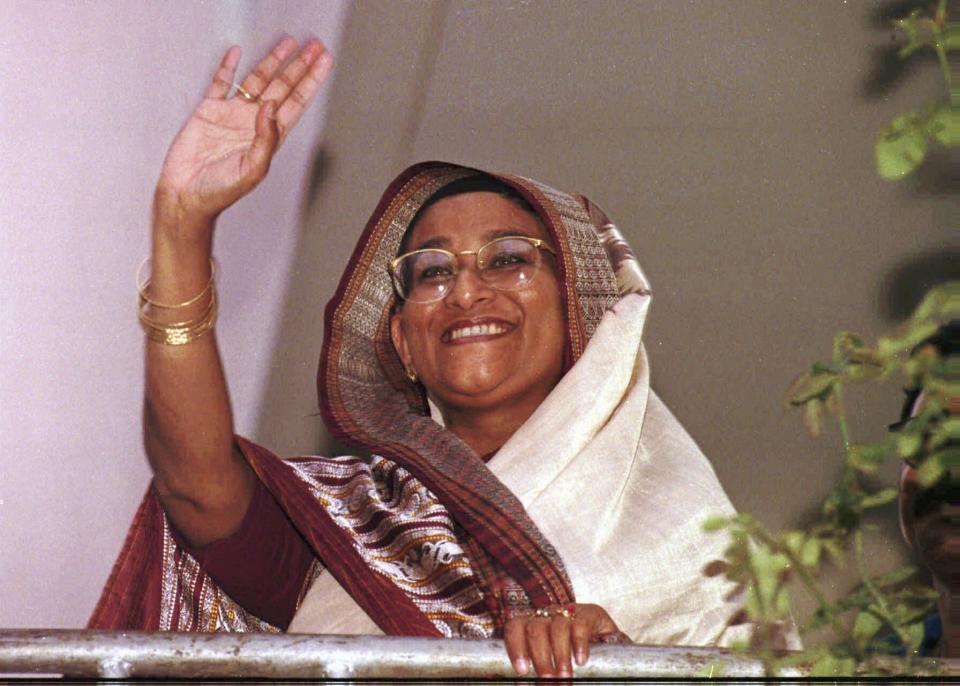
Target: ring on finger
(245, 94)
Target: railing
(136, 654)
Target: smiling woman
(515, 476)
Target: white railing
(136, 654)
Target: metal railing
(138, 654)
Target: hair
(469, 184)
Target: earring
(412, 375)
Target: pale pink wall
(92, 92)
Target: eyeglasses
(507, 264)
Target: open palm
(226, 146)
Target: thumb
(265, 140)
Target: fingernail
(522, 666)
(580, 656)
(564, 674)
(325, 60)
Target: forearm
(204, 483)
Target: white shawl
(621, 490)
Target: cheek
(414, 334)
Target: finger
(284, 82)
(580, 632)
(516, 642)
(223, 79)
(258, 79)
(265, 140)
(538, 645)
(560, 642)
(301, 96)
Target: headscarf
(367, 401)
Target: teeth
(477, 330)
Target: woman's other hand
(552, 638)
(225, 148)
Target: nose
(468, 288)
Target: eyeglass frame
(538, 243)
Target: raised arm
(221, 153)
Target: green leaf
(866, 626)
(810, 553)
(812, 412)
(930, 472)
(712, 524)
(915, 334)
(768, 568)
(944, 125)
(948, 457)
(909, 443)
(915, 632)
(881, 497)
(948, 429)
(844, 343)
(895, 577)
(793, 541)
(901, 147)
(950, 36)
(912, 26)
(942, 301)
(753, 605)
(835, 551)
(867, 458)
(828, 665)
(815, 384)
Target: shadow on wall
(374, 111)
(908, 281)
(887, 70)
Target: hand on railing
(549, 637)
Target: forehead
(468, 220)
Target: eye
(431, 267)
(507, 259)
(434, 273)
(510, 254)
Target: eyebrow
(444, 242)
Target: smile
(475, 330)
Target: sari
(599, 497)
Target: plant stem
(939, 24)
(808, 581)
(875, 593)
(842, 419)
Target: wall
(93, 92)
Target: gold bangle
(144, 298)
(147, 321)
(180, 335)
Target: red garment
(155, 585)
(263, 565)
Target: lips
(462, 331)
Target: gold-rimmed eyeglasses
(508, 263)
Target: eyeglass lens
(505, 264)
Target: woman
(483, 352)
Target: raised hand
(550, 638)
(225, 148)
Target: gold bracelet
(180, 333)
(147, 321)
(144, 298)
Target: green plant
(884, 612)
(903, 145)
